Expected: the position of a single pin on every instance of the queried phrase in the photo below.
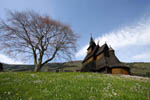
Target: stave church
(102, 59)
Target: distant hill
(137, 68)
(70, 66)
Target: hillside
(139, 68)
(51, 67)
(72, 86)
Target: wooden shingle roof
(92, 53)
(101, 49)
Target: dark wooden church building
(102, 59)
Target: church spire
(92, 43)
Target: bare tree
(29, 33)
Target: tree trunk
(37, 67)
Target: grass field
(72, 86)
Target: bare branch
(31, 33)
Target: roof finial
(92, 42)
(91, 37)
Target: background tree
(31, 34)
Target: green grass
(71, 86)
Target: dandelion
(37, 81)
(91, 98)
(9, 93)
(33, 75)
(79, 76)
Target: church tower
(92, 45)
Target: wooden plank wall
(99, 56)
(116, 71)
(120, 71)
(89, 60)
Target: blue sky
(123, 24)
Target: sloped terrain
(50, 67)
(72, 86)
(138, 68)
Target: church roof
(111, 49)
(102, 48)
(92, 43)
(92, 53)
(97, 50)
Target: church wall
(89, 67)
(120, 71)
(99, 56)
(100, 63)
(125, 71)
(90, 50)
(89, 60)
(116, 71)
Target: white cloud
(132, 35)
(7, 60)
(144, 56)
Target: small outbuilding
(102, 59)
